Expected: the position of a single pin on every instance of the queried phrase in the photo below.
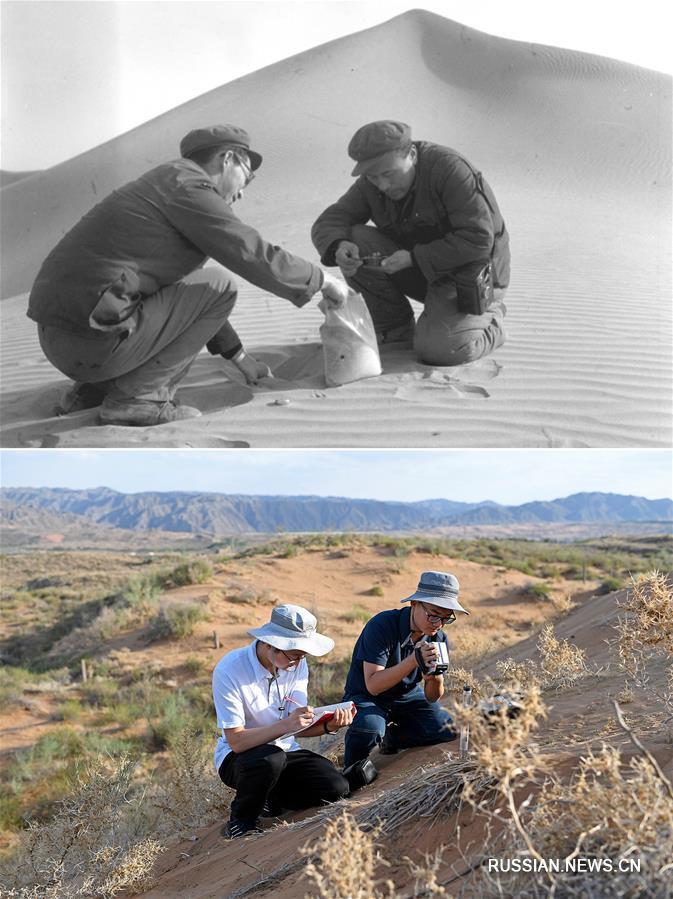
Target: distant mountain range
(218, 514)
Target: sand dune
(577, 148)
(580, 717)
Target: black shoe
(234, 829)
(360, 774)
(389, 743)
(271, 809)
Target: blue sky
(505, 476)
(75, 74)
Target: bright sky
(506, 476)
(75, 74)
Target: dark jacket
(147, 235)
(448, 219)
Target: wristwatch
(325, 729)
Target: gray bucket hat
(292, 627)
(440, 588)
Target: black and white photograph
(513, 283)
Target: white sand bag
(349, 342)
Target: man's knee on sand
(440, 344)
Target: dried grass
(92, 847)
(344, 861)
(645, 634)
(189, 796)
(561, 663)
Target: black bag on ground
(361, 773)
(474, 287)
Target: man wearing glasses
(122, 303)
(396, 702)
(261, 700)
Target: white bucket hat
(440, 588)
(292, 627)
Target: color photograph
(337, 674)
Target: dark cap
(229, 135)
(375, 140)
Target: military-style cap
(231, 135)
(376, 139)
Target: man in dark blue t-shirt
(385, 676)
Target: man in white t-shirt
(261, 701)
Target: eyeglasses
(247, 169)
(302, 655)
(433, 618)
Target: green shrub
(610, 584)
(194, 665)
(196, 571)
(167, 716)
(176, 620)
(538, 591)
(357, 613)
(376, 590)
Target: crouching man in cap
(437, 237)
(396, 701)
(260, 694)
(122, 303)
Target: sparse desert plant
(376, 590)
(94, 845)
(610, 584)
(190, 795)
(194, 665)
(513, 673)
(176, 621)
(562, 604)
(196, 571)
(344, 861)
(645, 633)
(537, 590)
(561, 663)
(615, 810)
(357, 613)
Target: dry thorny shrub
(561, 664)
(645, 633)
(344, 862)
(611, 811)
(94, 846)
(189, 796)
(104, 837)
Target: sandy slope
(577, 148)
(580, 717)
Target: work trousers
(419, 723)
(171, 327)
(292, 780)
(443, 335)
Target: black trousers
(293, 780)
